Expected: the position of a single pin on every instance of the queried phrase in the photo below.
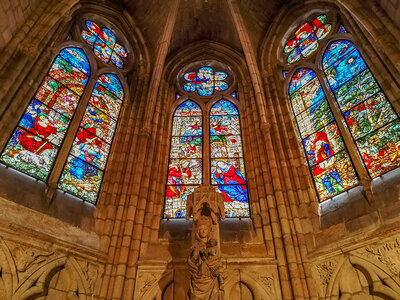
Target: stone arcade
(274, 124)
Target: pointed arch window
(34, 144)
(372, 121)
(328, 159)
(84, 170)
(226, 157)
(226, 162)
(185, 158)
(373, 124)
(38, 146)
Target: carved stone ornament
(204, 261)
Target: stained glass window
(233, 94)
(328, 160)
(226, 154)
(370, 117)
(84, 169)
(342, 29)
(185, 158)
(205, 81)
(307, 38)
(104, 43)
(36, 140)
(177, 96)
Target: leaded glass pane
(104, 44)
(371, 119)
(185, 164)
(307, 37)
(34, 144)
(205, 81)
(227, 163)
(322, 142)
(84, 170)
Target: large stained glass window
(307, 38)
(226, 154)
(104, 43)
(84, 169)
(35, 142)
(370, 117)
(327, 157)
(205, 81)
(185, 158)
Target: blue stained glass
(112, 83)
(77, 58)
(108, 36)
(205, 91)
(336, 51)
(345, 69)
(300, 79)
(205, 81)
(188, 108)
(342, 29)
(294, 56)
(189, 87)
(223, 108)
(177, 96)
(365, 108)
(89, 37)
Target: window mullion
(68, 140)
(365, 179)
(206, 147)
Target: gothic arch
(345, 280)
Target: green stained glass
(185, 163)
(371, 119)
(326, 153)
(334, 176)
(34, 144)
(87, 160)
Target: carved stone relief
(27, 272)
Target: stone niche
(362, 271)
(239, 277)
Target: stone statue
(204, 261)
(205, 264)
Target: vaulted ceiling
(199, 20)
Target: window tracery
(372, 122)
(34, 144)
(223, 157)
(39, 136)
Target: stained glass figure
(307, 37)
(185, 158)
(205, 81)
(329, 162)
(104, 44)
(369, 115)
(36, 140)
(84, 170)
(227, 163)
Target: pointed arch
(327, 157)
(185, 158)
(87, 160)
(226, 158)
(371, 119)
(36, 140)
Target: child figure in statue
(205, 264)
